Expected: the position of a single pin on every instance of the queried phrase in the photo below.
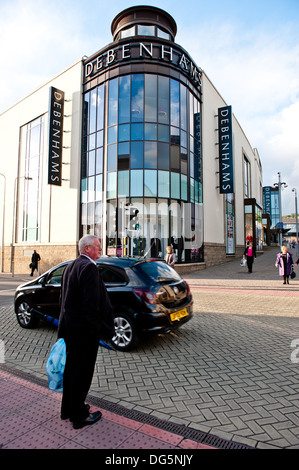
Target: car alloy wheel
(125, 335)
(25, 318)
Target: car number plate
(178, 315)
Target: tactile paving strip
(186, 432)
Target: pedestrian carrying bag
(55, 365)
(243, 261)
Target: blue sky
(249, 50)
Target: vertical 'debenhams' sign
(56, 111)
(226, 168)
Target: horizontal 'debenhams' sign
(56, 113)
(140, 50)
(226, 168)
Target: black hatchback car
(147, 296)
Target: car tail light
(187, 288)
(146, 295)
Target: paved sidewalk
(225, 380)
(30, 419)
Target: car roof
(124, 261)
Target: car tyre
(26, 319)
(125, 337)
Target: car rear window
(158, 271)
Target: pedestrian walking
(170, 256)
(35, 258)
(284, 261)
(86, 316)
(250, 254)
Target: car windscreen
(158, 271)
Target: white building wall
(59, 204)
(214, 202)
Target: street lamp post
(296, 211)
(3, 222)
(280, 185)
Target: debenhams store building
(133, 144)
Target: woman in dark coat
(285, 262)
(250, 256)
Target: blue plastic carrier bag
(55, 365)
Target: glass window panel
(137, 132)
(84, 214)
(196, 195)
(34, 141)
(184, 162)
(184, 139)
(163, 100)
(111, 185)
(86, 113)
(124, 99)
(175, 135)
(123, 184)
(191, 165)
(92, 142)
(90, 215)
(175, 185)
(99, 188)
(175, 102)
(100, 107)
(113, 102)
(150, 107)
(98, 214)
(91, 163)
(99, 160)
(84, 190)
(143, 30)
(93, 111)
(163, 183)
(175, 157)
(137, 98)
(163, 133)
(150, 131)
(184, 188)
(191, 113)
(150, 155)
(91, 189)
(163, 156)
(183, 106)
(100, 139)
(192, 190)
(150, 183)
(162, 34)
(126, 33)
(123, 155)
(136, 183)
(123, 132)
(136, 154)
(112, 157)
(112, 134)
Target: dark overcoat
(279, 262)
(86, 310)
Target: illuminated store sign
(55, 135)
(226, 169)
(135, 51)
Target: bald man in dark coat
(85, 317)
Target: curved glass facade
(141, 146)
